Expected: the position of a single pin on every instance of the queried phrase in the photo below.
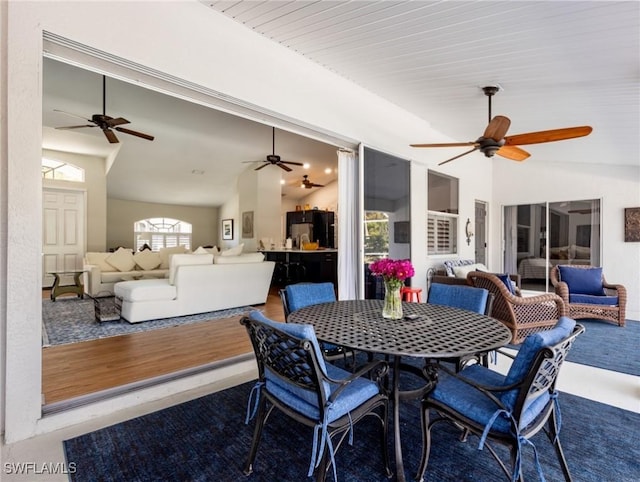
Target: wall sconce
(468, 232)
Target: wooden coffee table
(57, 289)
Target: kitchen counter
(303, 265)
(296, 250)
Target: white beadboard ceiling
(559, 63)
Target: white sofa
(102, 270)
(197, 285)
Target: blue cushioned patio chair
(294, 378)
(300, 295)
(510, 409)
(588, 295)
(468, 298)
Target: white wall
(122, 214)
(617, 187)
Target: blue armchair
(588, 295)
(506, 410)
(294, 378)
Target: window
(376, 236)
(161, 233)
(61, 171)
(442, 214)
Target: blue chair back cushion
(305, 294)
(529, 349)
(306, 401)
(593, 300)
(507, 282)
(457, 296)
(583, 281)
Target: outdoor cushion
(584, 281)
(306, 401)
(477, 406)
(463, 297)
(508, 282)
(593, 300)
(305, 294)
(529, 349)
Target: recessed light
(197, 172)
(281, 181)
(327, 170)
(306, 165)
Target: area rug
(608, 346)
(206, 439)
(72, 320)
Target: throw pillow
(214, 250)
(584, 281)
(99, 260)
(200, 250)
(122, 260)
(236, 251)
(463, 271)
(507, 282)
(147, 260)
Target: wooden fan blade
(317, 185)
(292, 163)
(73, 115)
(460, 155)
(446, 144)
(547, 136)
(74, 127)
(110, 136)
(263, 166)
(282, 166)
(513, 152)
(135, 133)
(497, 128)
(118, 121)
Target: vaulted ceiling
(559, 64)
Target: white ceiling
(560, 63)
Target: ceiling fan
(273, 159)
(493, 141)
(308, 184)
(105, 122)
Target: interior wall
(617, 186)
(121, 215)
(230, 210)
(95, 185)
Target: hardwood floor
(79, 369)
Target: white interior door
(63, 232)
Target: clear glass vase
(392, 309)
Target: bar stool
(408, 294)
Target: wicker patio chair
(608, 304)
(293, 378)
(505, 409)
(522, 315)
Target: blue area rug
(608, 346)
(72, 320)
(206, 439)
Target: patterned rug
(71, 320)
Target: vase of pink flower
(393, 272)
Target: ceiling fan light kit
(105, 122)
(495, 141)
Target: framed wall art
(247, 224)
(227, 229)
(631, 224)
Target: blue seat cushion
(306, 401)
(529, 349)
(463, 297)
(476, 406)
(507, 282)
(305, 294)
(593, 300)
(583, 281)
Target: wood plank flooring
(78, 369)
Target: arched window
(61, 171)
(161, 233)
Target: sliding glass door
(386, 214)
(540, 236)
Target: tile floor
(604, 386)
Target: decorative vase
(392, 300)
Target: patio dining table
(428, 331)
